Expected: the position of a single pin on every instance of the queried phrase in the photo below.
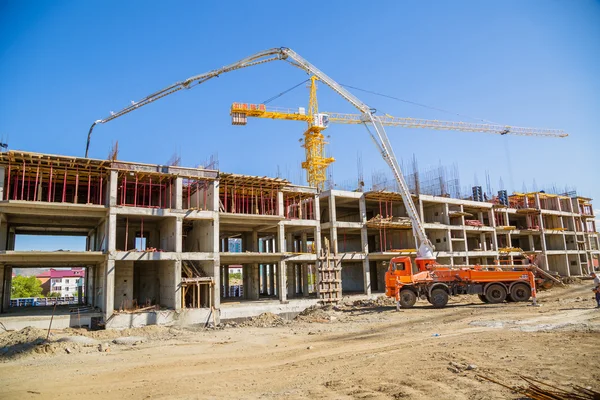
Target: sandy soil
(365, 350)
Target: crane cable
(270, 99)
(416, 104)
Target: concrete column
(109, 288)
(212, 197)
(264, 288)
(254, 241)
(280, 208)
(225, 270)
(2, 286)
(177, 286)
(531, 242)
(543, 235)
(281, 280)
(483, 241)
(449, 240)
(304, 244)
(111, 232)
(111, 193)
(216, 301)
(251, 280)
(289, 242)
(3, 232)
(317, 231)
(366, 264)
(177, 193)
(362, 206)
(6, 284)
(291, 280)
(333, 220)
(280, 238)
(568, 269)
(271, 275)
(178, 235)
(446, 214)
(2, 173)
(305, 273)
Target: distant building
(67, 282)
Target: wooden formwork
(329, 276)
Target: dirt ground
(361, 350)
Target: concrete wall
(99, 283)
(168, 234)
(123, 283)
(169, 275)
(352, 277)
(2, 287)
(146, 286)
(201, 238)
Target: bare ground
(365, 350)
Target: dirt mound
(264, 320)
(381, 301)
(24, 336)
(22, 341)
(315, 314)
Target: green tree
(25, 286)
(53, 294)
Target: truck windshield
(398, 266)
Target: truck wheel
(408, 298)
(495, 293)
(483, 298)
(520, 292)
(438, 298)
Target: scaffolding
(53, 179)
(242, 194)
(195, 193)
(299, 205)
(143, 190)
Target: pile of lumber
(389, 222)
(473, 222)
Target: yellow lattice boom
(314, 142)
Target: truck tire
(483, 298)
(408, 298)
(520, 292)
(438, 298)
(495, 293)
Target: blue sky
(65, 64)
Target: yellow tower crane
(314, 142)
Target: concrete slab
(189, 316)
(240, 311)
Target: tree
(53, 294)
(25, 286)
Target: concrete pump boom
(379, 136)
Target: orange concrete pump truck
(437, 282)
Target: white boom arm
(425, 248)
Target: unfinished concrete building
(169, 244)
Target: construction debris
(538, 390)
(474, 222)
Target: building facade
(67, 283)
(205, 244)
